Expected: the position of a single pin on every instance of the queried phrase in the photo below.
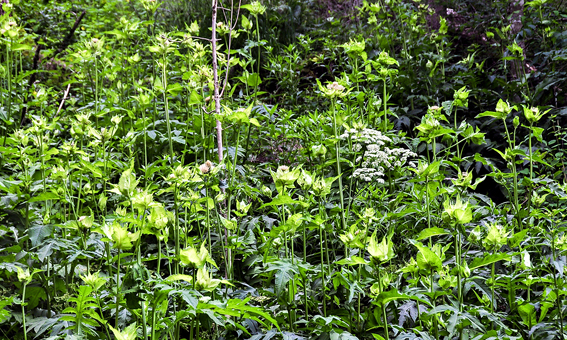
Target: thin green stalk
(144, 326)
(323, 272)
(176, 228)
(435, 321)
(305, 277)
(492, 287)
(259, 60)
(159, 258)
(556, 285)
(24, 310)
(515, 175)
(9, 71)
(384, 315)
(337, 154)
(117, 288)
(168, 124)
(96, 91)
(385, 100)
(458, 260)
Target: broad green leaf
(427, 259)
(282, 200)
(195, 98)
(528, 314)
(253, 80)
(489, 259)
(352, 261)
(284, 272)
(517, 238)
(385, 297)
(38, 233)
(20, 47)
(494, 114)
(180, 277)
(429, 232)
(129, 333)
(44, 196)
(383, 251)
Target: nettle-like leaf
(83, 314)
(285, 271)
(407, 311)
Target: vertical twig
(216, 95)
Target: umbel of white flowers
(377, 156)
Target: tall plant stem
(96, 91)
(458, 260)
(24, 311)
(176, 229)
(259, 61)
(435, 325)
(216, 91)
(166, 105)
(117, 288)
(144, 323)
(159, 258)
(492, 287)
(305, 277)
(385, 100)
(337, 154)
(515, 177)
(323, 272)
(9, 70)
(556, 284)
(384, 315)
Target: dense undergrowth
(374, 170)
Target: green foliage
(387, 169)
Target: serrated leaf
(284, 272)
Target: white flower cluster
(366, 137)
(368, 174)
(377, 156)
